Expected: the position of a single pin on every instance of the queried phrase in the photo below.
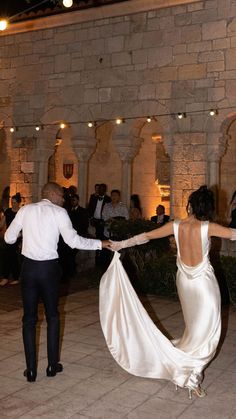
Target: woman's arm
(142, 238)
(219, 231)
(164, 231)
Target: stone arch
(149, 166)
(54, 145)
(104, 166)
(227, 165)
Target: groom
(41, 224)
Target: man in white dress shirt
(41, 224)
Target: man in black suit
(79, 217)
(95, 207)
(160, 218)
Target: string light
(118, 121)
(213, 112)
(3, 24)
(182, 115)
(67, 3)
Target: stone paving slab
(92, 385)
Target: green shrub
(228, 273)
(152, 266)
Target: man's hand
(106, 244)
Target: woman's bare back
(190, 244)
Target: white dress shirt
(98, 209)
(110, 212)
(41, 224)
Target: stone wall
(146, 62)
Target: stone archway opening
(227, 168)
(63, 163)
(151, 170)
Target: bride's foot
(198, 391)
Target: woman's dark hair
(233, 196)
(136, 201)
(17, 197)
(202, 203)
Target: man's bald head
(53, 192)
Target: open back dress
(139, 346)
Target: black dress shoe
(30, 375)
(52, 370)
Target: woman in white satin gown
(133, 339)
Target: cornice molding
(97, 13)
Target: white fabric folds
(137, 344)
(233, 234)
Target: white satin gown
(137, 344)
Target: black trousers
(40, 279)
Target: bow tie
(100, 198)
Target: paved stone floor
(92, 385)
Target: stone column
(43, 157)
(127, 149)
(215, 150)
(84, 148)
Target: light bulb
(62, 125)
(213, 112)
(3, 24)
(67, 3)
(90, 124)
(12, 129)
(37, 128)
(149, 119)
(118, 121)
(181, 115)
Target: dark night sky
(11, 7)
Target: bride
(133, 339)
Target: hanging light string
(119, 120)
(4, 22)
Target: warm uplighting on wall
(156, 138)
(3, 24)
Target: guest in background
(11, 263)
(135, 212)
(233, 211)
(95, 209)
(160, 218)
(79, 216)
(80, 222)
(114, 210)
(68, 194)
(5, 198)
(94, 195)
